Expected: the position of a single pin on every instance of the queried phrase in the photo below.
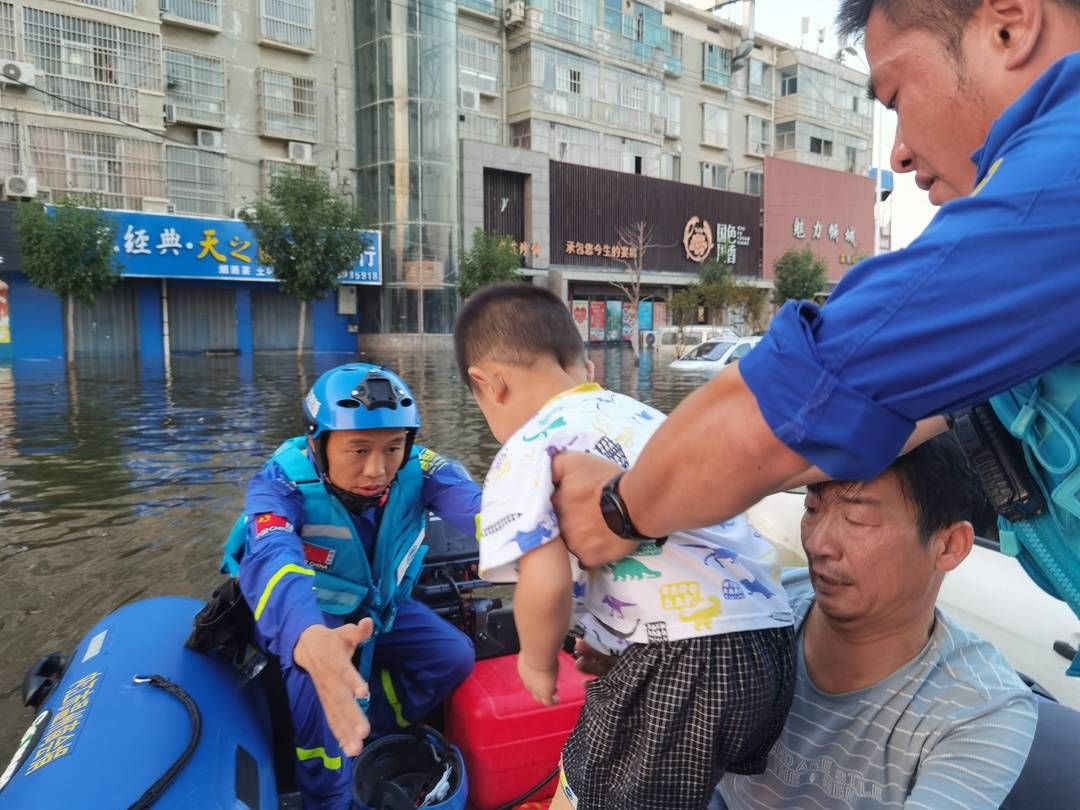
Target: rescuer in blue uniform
(327, 552)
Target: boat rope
(155, 790)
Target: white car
(712, 355)
(989, 593)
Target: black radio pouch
(224, 626)
(998, 459)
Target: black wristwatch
(617, 516)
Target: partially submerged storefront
(189, 285)
(595, 215)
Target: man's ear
(489, 382)
(1016, 26)
(952, 545)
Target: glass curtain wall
(407, 158)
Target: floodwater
(118, 482)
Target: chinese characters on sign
(172, 246)
(527, 249)
(798, 230)
(604, 250)
(728, 239)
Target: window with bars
(569, 8)
(478, 64)
(201, 11)
(195, 180)
(91, 67)
(632, 96)
(275, 168)
(568, 79)
(7, 31)
(714, 125)
(9, 148)
(195, 85)
(117, 172)
(291, 22)
(113, 5)
(290, 106)
(758, 135)
(716, 65)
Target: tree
(309, 234)
(638, 239)
(800, 275)
(684, 304)
(492, 259)
(748, 303)
(715, 289)
(69, 251)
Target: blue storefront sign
(178, 246)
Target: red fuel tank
(508, 740)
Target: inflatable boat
(132, 718)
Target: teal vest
(1044, 414)
(346, 584)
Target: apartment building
(657, 88)
(175, 114)
(173, 105)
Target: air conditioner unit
(210, 139)
(649, 340)
(170, 113)
(20, 187)
(299, 152)
(468, 99)
(20, 74)
(156, 205)
(514, 14)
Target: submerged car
(713, 355)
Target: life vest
(1044, 415)
(346, 583)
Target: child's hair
(515, 323)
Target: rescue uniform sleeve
(449, 492)
(983, 300)
(274, 576)
(516, 514)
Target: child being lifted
(700, 624)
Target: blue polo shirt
(986, 298)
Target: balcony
(483, 6)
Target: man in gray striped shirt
(895, 704)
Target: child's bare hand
(540, 681)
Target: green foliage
(69, 251)
(683, 305)
(749, 302)
(491, 260)
(799, 275)
(307, 232)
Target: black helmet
(408, 771)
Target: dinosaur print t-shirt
(723, 579)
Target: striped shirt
(950, 729)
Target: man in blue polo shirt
(987, 94)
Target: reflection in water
(122, 480)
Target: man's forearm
(714, 457)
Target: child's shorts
(669, 719)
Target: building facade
(181, 109)
(659, 89)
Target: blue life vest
(346, 584)
(1044, 414)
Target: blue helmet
(410, 770)
(359, 396)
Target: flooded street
(118, 483)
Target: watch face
(613, 515)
